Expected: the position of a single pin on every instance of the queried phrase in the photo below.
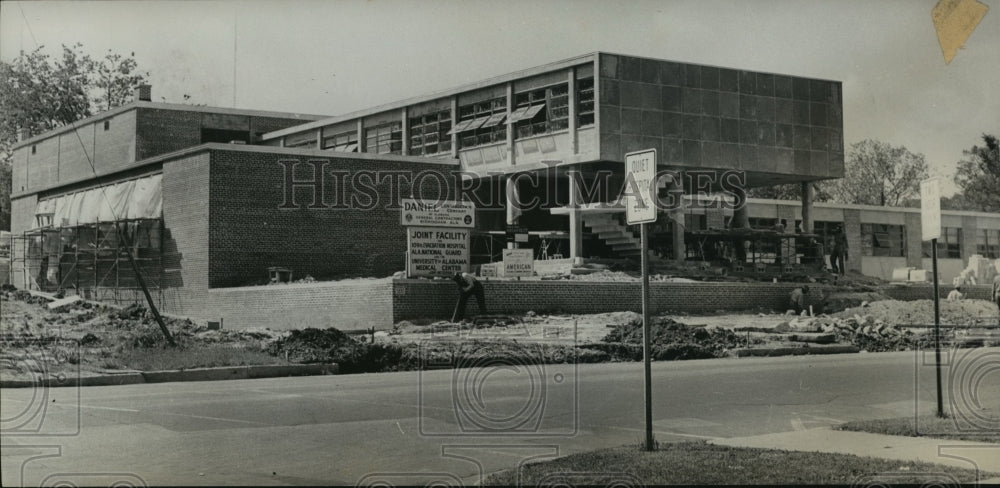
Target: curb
(168, 376)
(794, 351)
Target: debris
(64, 301)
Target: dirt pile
(921, 312)
(865, 331)
(670, 340)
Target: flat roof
(162, 106)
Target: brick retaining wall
(346, 305)
(414, 299)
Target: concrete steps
(612, 232)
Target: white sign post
(930, 225)
(930, 208)
(640, 169)
(640, 208)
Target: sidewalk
(962, 454)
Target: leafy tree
(791, 191)
(39, 93)
(115, 78)
(880, 174)
(978, 176)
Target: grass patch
(207, 356)
(983, 426)
(702, 463)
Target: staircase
(614, 233)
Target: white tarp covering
(134, 199)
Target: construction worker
(838, 257)
(956, 294)
(468, 286)
(798, 299)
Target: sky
(334, 57)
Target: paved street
(445, 424)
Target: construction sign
(436, 251)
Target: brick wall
(436, 299)
(22, 218)
(185, 235)
(346, 305)
(250, 232)
(852, 225)
(161, 131)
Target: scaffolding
(90, 259)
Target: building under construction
(210, 201)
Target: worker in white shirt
(956, 294)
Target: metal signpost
(640, 208)
(930, 224)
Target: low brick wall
(926, 291)
(413, 299)
(346, 305)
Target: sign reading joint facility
(640, 203)
(437, 213)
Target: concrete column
(808, 195)
(741, 217)
(512, 212)
(405, 126)
(571, 84)
(575, 220)
(677, 217)
(511, 151)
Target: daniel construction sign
(437, 213)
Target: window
(762, 223)
(585, 102)
(480, 123)
(384, 139)
(949, 245)
(541, 111)
(342, 142)
(827, 231)
(883, 240)
(34, 149)
(301, 140)
(429, 133)
(107, 124)
(988, 243)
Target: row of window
(887, 240)
(535, 112)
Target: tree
(880, 174)
(791, 191)
(39, 93)
(115, 78)
(978, 176)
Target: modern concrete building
(212, 199)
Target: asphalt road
(449, 425)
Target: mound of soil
(672, 340)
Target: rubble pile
(866, 332)
(920, 312)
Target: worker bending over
(798, 299)
(468, 286)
